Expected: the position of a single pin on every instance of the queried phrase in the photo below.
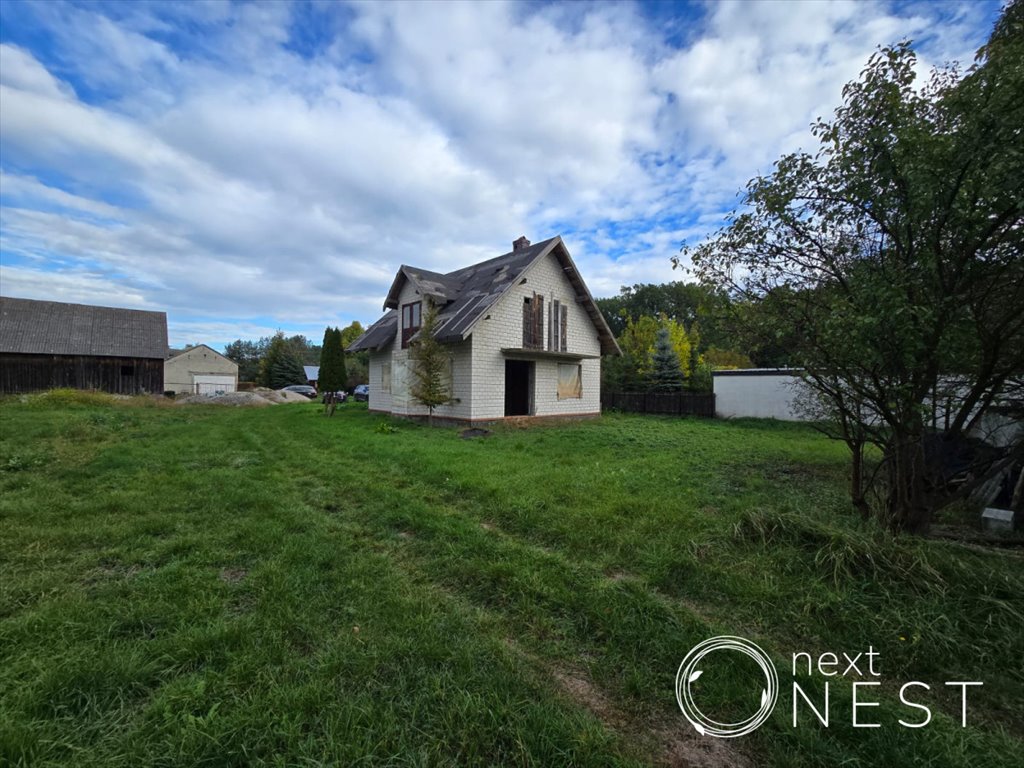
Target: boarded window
(385, 377)
(570, 381)
(533, 322)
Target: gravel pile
(258, 398)
(280, 396)
(251, 399)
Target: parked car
(302, 389)
(361, 393)
(339, 396)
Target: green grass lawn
(217, 586)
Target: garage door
(212, 385)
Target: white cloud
(188, 158)
(20, 70)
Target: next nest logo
(827, 665)
(691, 669)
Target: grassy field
(216, 586)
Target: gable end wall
(502, 326)
(200, 361)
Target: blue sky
(253, 166)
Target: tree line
(673, 335)
(277, 361)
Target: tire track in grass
(560, 611)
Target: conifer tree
(333, 376)
(281, 367)
(666, 373)
(430, 366)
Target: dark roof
(53, 328)
(466, 294)
(378, 335)
(437, 286)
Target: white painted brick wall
(502, 326)
(379, 399)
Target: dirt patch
(469, 434)
(583, 691)
(406, 535)
(488, 526)
(233, 575)
(675, 743)
(620, 576)
(681, 750)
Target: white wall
(766, 394)
(180, 372)
(379, 399)
(502, 327)
(400, 400)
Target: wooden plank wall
(118, 375)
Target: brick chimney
(520, 244)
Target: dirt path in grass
(673, 744)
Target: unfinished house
(523, 334)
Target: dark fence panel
(667, 403)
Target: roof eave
(391, 300)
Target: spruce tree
(275, 347)
(430, 366)
(281, 367)
(287, 370)
(666, 373)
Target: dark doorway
(518, 387)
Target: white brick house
(524, 335)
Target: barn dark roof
(54, 328)
(466, 294)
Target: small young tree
(333, 376)
(430, 366)
(666, 373)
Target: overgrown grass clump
(201, 586)
(68, 398)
